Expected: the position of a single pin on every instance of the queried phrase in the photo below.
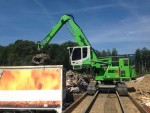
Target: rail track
(105, 103)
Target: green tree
(142, 60)
(104, 53)
(109, 53)
(145, 54)
(114, 52)
(18, 53)
(98, 53)
(3, 55)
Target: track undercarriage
(121, 88)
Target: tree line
(21, 52)
(142, 60)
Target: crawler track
(106, 103)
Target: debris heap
(142, 89)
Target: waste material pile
(142, 89)
(76, 85)
(76, 82)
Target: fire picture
(30, 88)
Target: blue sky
(120, 24)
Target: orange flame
(30, 80)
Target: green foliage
(142, 59)
(114, 52)
(104, 53)
(19, 53)
(22, 51)
(3, 55)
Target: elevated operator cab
(80, 57)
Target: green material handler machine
(105, 72)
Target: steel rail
(75, 104)
(120, 103)
(87, 110)
(139, 107)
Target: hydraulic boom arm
(74, 29)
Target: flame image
(29, 80)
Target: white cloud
(131, 29)
(86, 9)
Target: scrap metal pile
(76, 83)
